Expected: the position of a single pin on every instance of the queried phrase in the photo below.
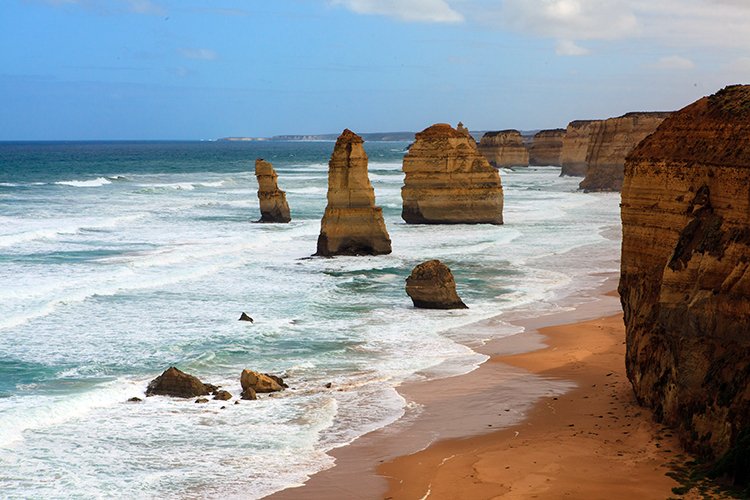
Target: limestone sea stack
(575, 145)
(431, 286)
(546, 147)
(352, 224)
(273, 205)
(504, 148)
(685, 279)
(448, 181)
(611, 142)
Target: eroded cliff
(273, 204)
(575, 145)
(504, 148)
(546, 147)
(352, 224)
(685, 279)
(610, 143)
(448, 181)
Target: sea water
(118, 260)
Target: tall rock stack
(613, 139)
(273, 205)
(352, 224)
(448, 181)
(504, 148)
(685, 280)
(576, 142)
(546, 147)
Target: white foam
(99, 181)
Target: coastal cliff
(504, 148)
(610, 143)
(575, 145)
(685, 279)
(546, 147)
(273, 204)
(352, 224)
(448, 181)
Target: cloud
(570, 48)
(430, 11)
(145, 7)
(674, 63)
(112, 6)
(199, 54)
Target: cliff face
(611, 143)
(685, 281)
(575, 145)
(546, 147)
(352, 224)
(504, 149)
(448, 181)
(273, 205)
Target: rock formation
(431, 286)
(174, 382)
(261, 382)
(448, 181)
(273, 205)
(575, 146)
(352, 224)
(611, 143)
(244, 317)
(685, 280)
(546, 147)
(504, 149)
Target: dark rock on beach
(179, 384)
(222, 395)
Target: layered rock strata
(611, 142)
(575, 145)
(273, 204)
(431, 286)
(504, 148)
(352, 224)
(685, 279)
(546, 147)
(448, 181)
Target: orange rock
(546, 147)
(575, 145)
(504, 148)
(273, 205)
(431, 286)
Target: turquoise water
(121, 259)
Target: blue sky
(188, 69)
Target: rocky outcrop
(431, 286)
(261, 382)
(610, 143)
(352, 224)
(448, 181)
(576, 142)
(273, 205)
(245, 317)
(546, 147)
(685, 279)
(504, 148)
(179, 384)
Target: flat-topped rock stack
(546, 147)
(448, 181)
(685, 279)
(504, 148)
(352, 224)
(273, 205)
(610, 143)
(576, 142)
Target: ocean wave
(99, 181)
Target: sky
(189, 69)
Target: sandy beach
(568, 425)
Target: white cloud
(145, 7)
(674, 63)
(431, 11)
(199, 54)
(113, 6)
(570, 48)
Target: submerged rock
(134, 400)
(201, 400)
(352, 224)
(431, 286)
(222, 395)
(176, 383)
(685, 279)
(447, 180)
(273, 204)
(261, 382)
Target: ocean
(120, 259)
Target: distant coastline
(373, 136)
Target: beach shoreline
(542, 382)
